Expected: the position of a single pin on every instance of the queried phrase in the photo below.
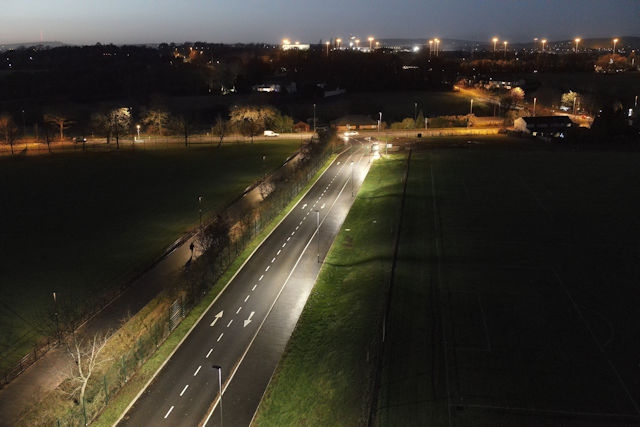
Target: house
(548, 126)
(301, 127)
(354, 122)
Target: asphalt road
(245, 329)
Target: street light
(437, 43)
(495, 41)
(543, 41)
(318, 233)
(314, 119)
(615, 41)
(219, 369)
(352, 178)
(577, 42)
(430, 47)
(534, 106)
(138, 129)
(370, 42)
(338, 41)
(379, 123)
(55, 314)
(505, 48)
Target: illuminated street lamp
(495, 41)
(577, 42)
(327, 48)
(505, 48)
(430, 47)
(338, 41)
(370, 42)
(357, 44)
(437, 44)
(543, 41)
(615, 41)
(138, 129)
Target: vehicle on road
(270, 133)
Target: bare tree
(8, 130)
(114, 122)
(59, 121)
(86, 357)
(220, 129)
(157, 119)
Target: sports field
(515, 300)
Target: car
(351, 133)
(80, 139)
(270, 133)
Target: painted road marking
(218, 316)
(184, 389)
(197, 370)
(208, 354)
(168, 412)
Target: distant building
(548, 126)
(287, 45)
(301, 127)
(354, 122)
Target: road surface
(245, 329)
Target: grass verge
(326, 374)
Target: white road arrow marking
(218, 316)
(246, 322)
(304, 206)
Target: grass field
(517, 304)
(81, 224)
(513, 303)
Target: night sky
(247, 21)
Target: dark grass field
(516, 294)
(81, 224)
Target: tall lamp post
(495, 41)
(505, 48)
(577, 43)
(437, 45)
(338, 41)
(55, 314)
(327, 43)
(352, 178)
(430, 47)
(314, 119)
(543, 42)
(318, 233)
(219, 369)
(200, 209)
(370, 43)
(615, 41)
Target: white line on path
(208, 354)
(197, 370)
(220, 337)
